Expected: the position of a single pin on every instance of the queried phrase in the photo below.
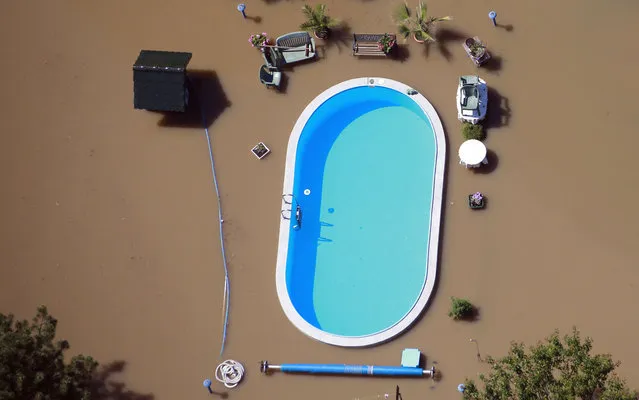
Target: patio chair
(270, 77)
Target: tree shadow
(499, 112)
(493, 65)
(207, 102)
(493, 162)
(106, 387)
(341, 37)
(446, 36)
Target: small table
(472, 153)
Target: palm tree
(419, 25)
(317, 21)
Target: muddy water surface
(109, 216)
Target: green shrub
(460, 308)
(470, 131)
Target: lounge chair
(270, 77)
(294, 47)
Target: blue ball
(207, 383)
(492, 15)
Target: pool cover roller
(344, 369)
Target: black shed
(160, 82)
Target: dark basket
(476, 206)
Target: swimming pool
(365, 165)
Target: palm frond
(441, 19)
(307, 26)
(331, 22)
(422, 11)
(404, 30)
(426, 36)
(308, 11)
(402, 13)
(320, 11)
(317, 18)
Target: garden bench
(366, 44)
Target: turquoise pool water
(358, 263)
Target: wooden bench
(366, 44)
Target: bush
(460, 308)
(556, 368)
(470, 131)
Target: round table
(472, 153)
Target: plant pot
(417, 40)
(474, 206)
(260, 150)
(322, 34)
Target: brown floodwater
(109, 214)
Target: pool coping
(436, 208)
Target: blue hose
(227, 286)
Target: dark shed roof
(159, 80)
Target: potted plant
(476, 201)
(259, 40)
(260, 150)
(318, 21)
(477, 48)
(420, 26)
(386, 43)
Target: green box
(410, 358)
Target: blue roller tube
(344, 369)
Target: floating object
(344, 369)
(241, 8)
(207, 384)
(160, 82)
(472, 99)
(260, 150)
(230, 373)
(307, 191)
(493, 17)
(461, 388)
(289, 48)
(410, 358)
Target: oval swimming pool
(364, 167)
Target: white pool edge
(436, 208)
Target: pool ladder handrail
(286, 195)
(298, 210)
(287, 210)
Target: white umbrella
(472, 153)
